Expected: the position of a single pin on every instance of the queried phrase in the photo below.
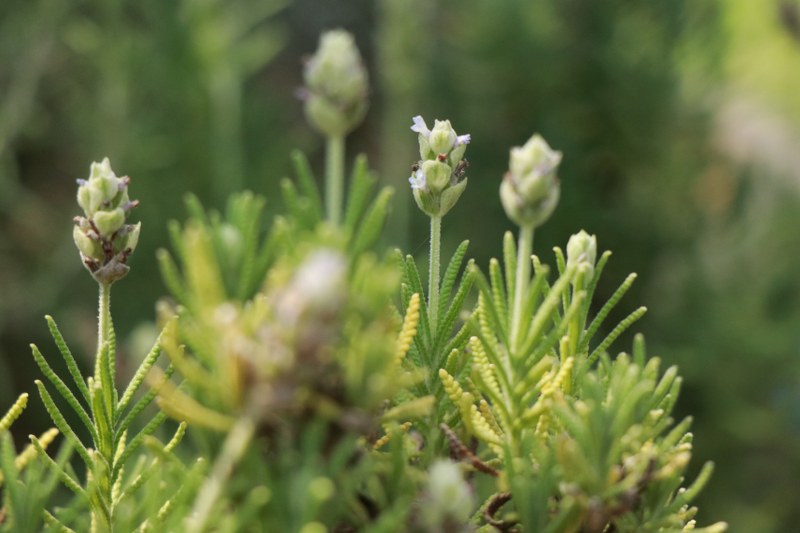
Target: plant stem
(104, 375)
(232, 451)
(433, 273)
(334, 178)
(103, 325)
(524, 249)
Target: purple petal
(463, 139)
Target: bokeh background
(679, 121)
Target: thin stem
(334, 178)
(103, 325)
(524, 249)
(235, 445)
(433, 273)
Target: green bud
(442, 137)
(108, 222)
(438, 178)
(102, 236)
(86, 245)
(530, 190)
(336, 85)
(128, 238)
(437, 175)
(582, 252)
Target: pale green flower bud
(582, 252)
(438, 181)
(86, 245)
(108, 222)
(530, 190)
(437, 175)
(442, 137)
(336, 85)
(449, 498)
(102, 236)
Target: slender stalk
(334, 178)
(232, 451)
(433, 273)
(524, 249)
(103, 325)
(104, 375)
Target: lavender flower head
(437, 179)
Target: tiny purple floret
(463, 139)
(81, 182)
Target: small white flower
(420, 126)
(463, 139)
(417, 179)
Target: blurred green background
(679, 121)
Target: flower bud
(102, 236)
(108, 222)
(438, 181)
(437, 175)
(336, 85)
(582, 252)
(530, 190)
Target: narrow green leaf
(171, 276)
(9, 473)
(371, 226)
(500, 299)
(141, 373)
(61, 423)
(139, 406)
(308, 185)
(510, 262)
(605, 310)
(361, 185)
(616, 332)
(446, 326)
(72, 365)
(176, 239)
(450, 276)
(136, 442)
(64, 391)
(688, 495)
(639, 350)
(65, 478)
(547, 310)
(195, 209)
(250, 230)
(53, 522)
(107, 380)
(415, 283)
(561, 264)
(488, 305)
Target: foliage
(314, 405)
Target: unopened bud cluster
(582, 252)
(530, 189)
(336, 87)
(102, 235)
(437, 180)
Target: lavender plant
(487, 402)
